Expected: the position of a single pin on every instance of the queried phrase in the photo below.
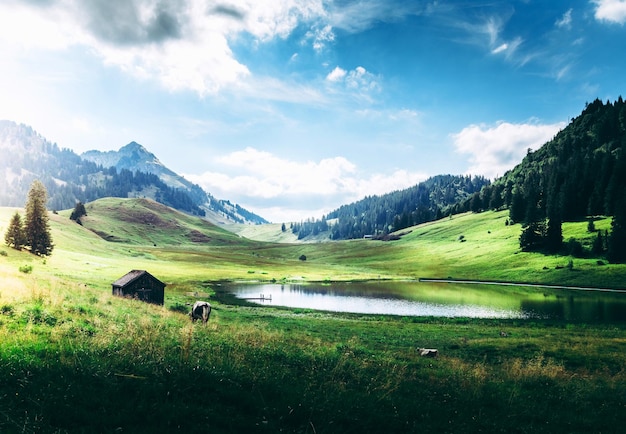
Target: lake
(439, 299)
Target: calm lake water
(440, 299)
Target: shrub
(26, 269)
(302, 257)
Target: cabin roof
(133, 275)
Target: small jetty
(261, 297)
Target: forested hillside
(379, 215)
(580, 173)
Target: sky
(292, 108)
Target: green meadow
(75, 359)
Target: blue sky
(292, 108)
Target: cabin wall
(144, 288)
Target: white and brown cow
(200, 310)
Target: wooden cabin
(141, 285)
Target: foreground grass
(75, 359)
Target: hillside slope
(122, 234)
(146, 222)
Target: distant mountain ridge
(130, 172)
(377, 216)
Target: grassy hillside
(122, 234)
(75, 359)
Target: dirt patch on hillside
(198, 237)
(143, 217)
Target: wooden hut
(141, 285)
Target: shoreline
(532, 285)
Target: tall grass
(73, 359)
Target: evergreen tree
(598, 245)
(37, 229)
(616, 243)
(15, 233)
(554, 235)
(532, 237)
(79, 211)
(554, 232)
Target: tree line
(377, 216)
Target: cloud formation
(183, 44)
(613, 11)
(566, 20)
(495, 149)
(252, 177)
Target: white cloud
(566, 20)
(500, 49)
(25, 28)
(251, 176)
(495, 149)
(358, 82)
(336, 74)
(613, 11)
(321, 36)
(183, 44)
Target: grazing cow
(428, 352)
(200, 310)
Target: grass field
(75, 359)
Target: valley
(73, 357)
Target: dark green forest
(377, 216)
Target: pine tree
(532, 237)
(79, 211)
(616, 243)
(37, 229)
(15, 233)
(598, 245)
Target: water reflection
(437, 299)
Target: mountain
(377, 216)
(130, 172)
(136, 157)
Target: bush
(302, 257)
(26, 269)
